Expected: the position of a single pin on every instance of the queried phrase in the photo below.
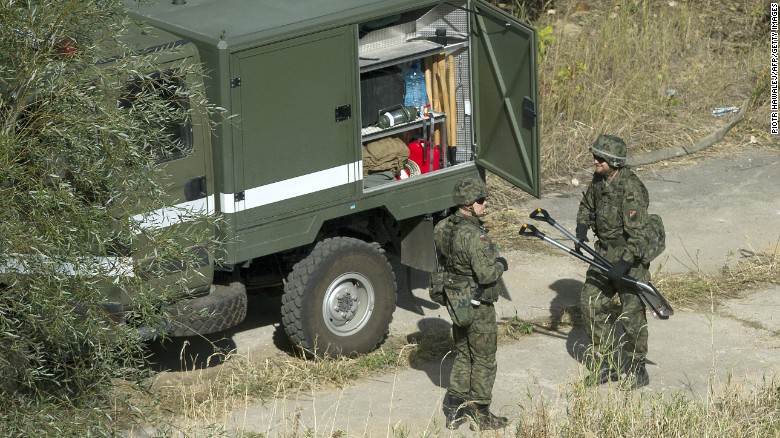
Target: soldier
(472, 267)
(615, 207)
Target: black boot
(485, 420)
(606, 372)
(636, 376)
(454, 411)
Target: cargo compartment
(436, 39)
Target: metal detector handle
(545, 217)
(530, 230)
(527, 230)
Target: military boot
(636, 376)
(606, 372)
(483, 419)
(454, 411)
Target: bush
(83, 124)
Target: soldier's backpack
(657, 243)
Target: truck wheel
(220, 310)
(340, 299)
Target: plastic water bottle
(415, 87)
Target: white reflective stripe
(92, 266)
(228, 202)
(293, 187)
(167, 216)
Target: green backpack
(657, 243)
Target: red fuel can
(420, 153)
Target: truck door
(505, 96)
(295, 138)
(189, 191)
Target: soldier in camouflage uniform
(615, 208)
(472, 267)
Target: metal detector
(649, 295)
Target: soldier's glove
(502, 261)
(617, 271)
(582, 236)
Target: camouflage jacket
(467, 251)
(616, 211)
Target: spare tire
(223, 308)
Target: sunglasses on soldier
(480, 201)
(599, 159)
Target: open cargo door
(505, 96)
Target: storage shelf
(400, 53)
(374, 132)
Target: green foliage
(77, 168)
(544, 39)
(569, 77)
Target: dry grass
(649, 71)
(697, 291)
(612, 69)
(732, 411)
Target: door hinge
(240, 196)
(235, 82)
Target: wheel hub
(349, 302)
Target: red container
(420, 153)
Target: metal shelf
(375, 133)
(401, 53)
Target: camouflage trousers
(474, 370)
(599, 314)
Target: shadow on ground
(198, 352)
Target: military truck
(305, 83)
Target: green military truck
(305, 84)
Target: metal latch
(529, 112)
(240, 196)
(235, 82)
(343, 112)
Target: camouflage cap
(468, 190)
(610, 148)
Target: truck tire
(221, 309)
(340, 299)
